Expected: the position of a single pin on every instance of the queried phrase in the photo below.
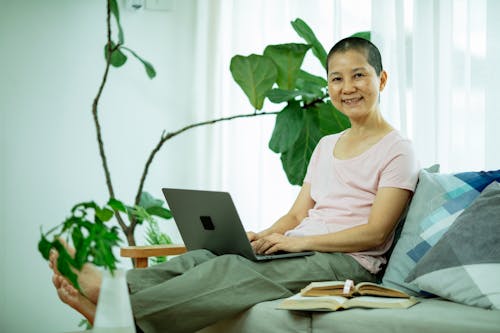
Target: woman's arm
(388, 206)
(290, 220)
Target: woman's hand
(277, 242)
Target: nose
(348, 86)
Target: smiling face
(353, 84)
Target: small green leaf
(117, 205)
(287, 128)
(288, 58)
(150, 71)
(77, 238)
(44, 247)
(140, 213)
(255, 74)
(160, 212)
(104, 214)
(304, 31)
(118, 58)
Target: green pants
(198, 288)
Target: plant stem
(165, 137)
(95, 104)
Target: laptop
(209, 220)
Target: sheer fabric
(440, 56)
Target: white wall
(51, 63)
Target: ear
(383, 80)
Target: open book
(348, 289)
(333, 303)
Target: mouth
(352, 101)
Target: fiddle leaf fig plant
(308, 113)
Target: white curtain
(442, 58)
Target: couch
(447, 255)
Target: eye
(336, 79)
(359, 75)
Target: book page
(380, 302)
(369, 288)
(315, 303)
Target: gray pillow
(464, 266)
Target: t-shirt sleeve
(401, 170)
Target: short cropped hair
(361, 45)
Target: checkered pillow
(438, 200)
(464, 266)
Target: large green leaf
(314, 87)
(308, 35)
(331, 119)
(306, 77)
(296, 159)
(255, 74)
(287, 128)
(288, 58)
(279, 95)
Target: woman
(357, 185)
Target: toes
(56, 281)
(69, 288)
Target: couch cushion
(464, 265)
(429, 316)
(438, 200)
(264, 317)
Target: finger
(272, 249)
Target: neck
(374, 123)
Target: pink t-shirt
(344, 190)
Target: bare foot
(69, 295)
(89, 277)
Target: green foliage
(304, 31)
(154, 236)
(308, 114)
(287, 58)
(256, 75)
(92, 238)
